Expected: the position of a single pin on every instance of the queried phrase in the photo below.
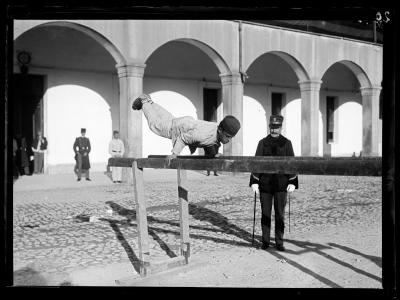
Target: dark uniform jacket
(82, 145)
(270, 183)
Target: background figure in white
(116, 149)
(39, 147)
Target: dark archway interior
(27, 113)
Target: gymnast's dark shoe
(138, 103)
(78, 179)
(280, 248)
(88, 179)
(265, 246)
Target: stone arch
(64, 122)
(208, 50)
(102, 40)
(296, 66)
(358, 72)
(181, 106)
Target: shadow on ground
(28, 276)
(222, 225)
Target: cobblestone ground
(53, 236)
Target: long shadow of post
(218, 220)
(317, 248)
(128, 249)
(130, 214)
(375, 259)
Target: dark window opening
(210, 104)
(276, 103)
(330, 120)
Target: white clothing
(182, 131)
(116, 149)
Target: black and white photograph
(194, 152)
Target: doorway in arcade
(211, 103)
(27, 108)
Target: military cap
(230, 125)
(275, 121)
(83, 130)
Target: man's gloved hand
(290, 188)
(255, 189)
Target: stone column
(309, 116)
(370, 120)
(130, 121)
(232, 99)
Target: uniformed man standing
(116, 149)
(82, 149)
(273, 188)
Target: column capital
(373, 90)
(310, 85)
(130, 70)
(230, 78)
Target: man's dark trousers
(78, 167)
(279, 199)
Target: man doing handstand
(185, 131)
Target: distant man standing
(116, 149)
(39, 147)
(212, 151)
(82, 149)
(273, 188)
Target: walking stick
(289, 212)
(254, 216)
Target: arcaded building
(86, 73)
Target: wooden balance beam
(345, 166)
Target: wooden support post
(141, 219)
(184, 213)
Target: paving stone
(221, 216)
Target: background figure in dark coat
(39, 147)
(22, 156)
(212, 151)
(15, 167)
(82, 149)
(273, 188)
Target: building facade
(89, 72)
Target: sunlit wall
(254, 125)
(70, 108)
(179, 106)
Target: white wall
(348, 124)
(75, 100)
(255, 99)
(292, 121)
(180, 98)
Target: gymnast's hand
(169, 158)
